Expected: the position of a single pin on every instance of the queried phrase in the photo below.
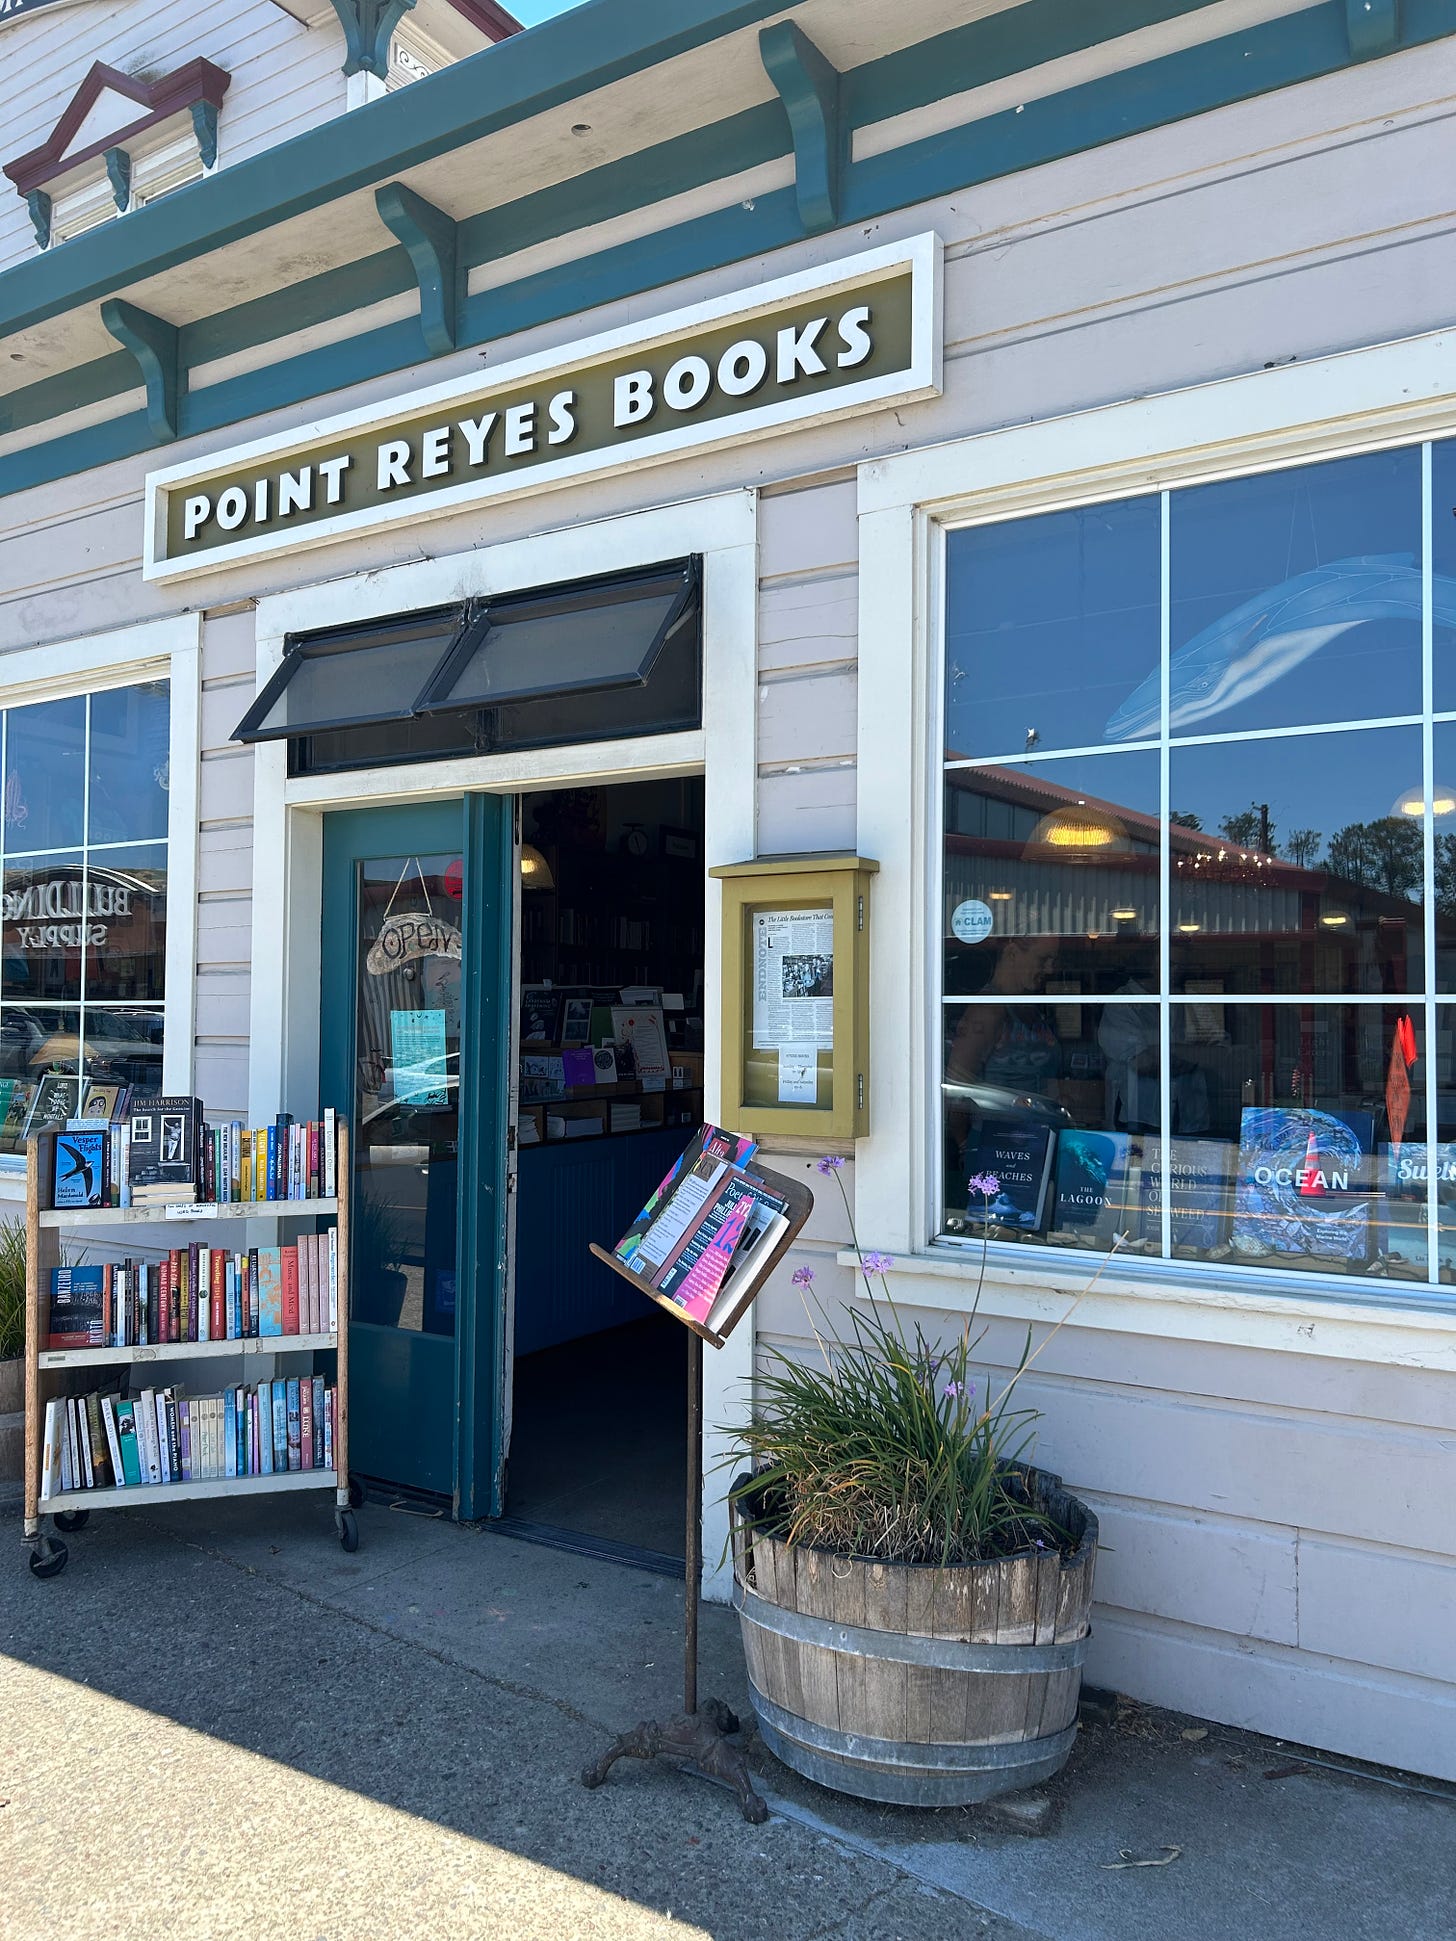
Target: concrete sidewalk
(217, 1721)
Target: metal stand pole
(695, 1737)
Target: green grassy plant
(12, 1289)
(889, 1446)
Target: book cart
(53, 1371)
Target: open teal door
(413, 1044)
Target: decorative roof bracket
(153, 343)
(432, 240)
(809, 88)
(368, 29)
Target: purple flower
(878, 1263)
(952, 1390)
(802, 1277)
(986, 1183)
(830, 1163)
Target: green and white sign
(858, 335)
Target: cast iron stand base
(696, 1737)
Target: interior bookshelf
(57, 1374)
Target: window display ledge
(1408, 1329)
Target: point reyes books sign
(861, 334)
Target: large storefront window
(1198, 911)
(83, 918)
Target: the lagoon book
(1092, 1183)
(1304, 1183)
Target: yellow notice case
(796, 995)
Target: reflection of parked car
(417, 1088)
(1006, 1103)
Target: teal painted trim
(993, 49)
(808, 86)
(368, 29)
(118, 174)
(1282, 53)
(204, 126)
(485, 1046)
(1373, 26)
(153, 343)
(557, 62)
(73, 390)
(432, 240)
(298, 306)
(39, 205)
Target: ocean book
(1200, 1191)
(1092, 1183)
(1304, 1184)
(1018, 1155)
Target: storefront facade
(1109, 615)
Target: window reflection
(1298, 864)
(1443, 568)
(44, 926)
(1050, 623)
(126, 948)
(45, 775)
(123, 1046)
(1295, 598)
(1062, 855)
(130, 763)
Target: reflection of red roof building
(1053, 861)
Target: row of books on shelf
(160, 1151)
(1300, 1181)
(198, 1293)
(164, 1436)
(698, 1241)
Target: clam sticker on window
(971, 921)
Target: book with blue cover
(1305, 1186)
(78, 1308)
(80, 1172)
(1092, 1182)
(1403, 1202)
(1202, 1175)
(1018, 1155)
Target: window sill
(1415, 1329)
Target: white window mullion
(1165, 882)
(1428, 819)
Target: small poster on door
(417, 1046)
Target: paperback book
(1403, 1175)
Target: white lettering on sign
(861, 334)
(1304, 1179)
(62, 899)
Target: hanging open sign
(405, 938)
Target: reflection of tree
(1185, 818)
(1250, 828)
(1446, 871)
(1385, 854)
(1302, 846)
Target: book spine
(108, 1305)
(305, 1423)
(279, 1407)
(329, 1462)
(290, 1288)
(270, 1162)
(332, 1258)
(318, 1421)
(194, 1264)
(330, 1153)
(174, 1435)
(184, 1438)
(295, 1453)
(113, 1442)
(83, 1443)
(174, 1318)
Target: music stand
(696, 1735)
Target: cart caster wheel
(356, 1495)
(48, 1559)
(72, 1520)
(348, 1530)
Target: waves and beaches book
(1018, 1154)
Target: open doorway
(611, 1075)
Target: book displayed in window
(1199, 1192)
(1019, 1156)
(1403, 1233)
(1093, 1175)
(1305, 1185)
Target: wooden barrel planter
(912, 1684)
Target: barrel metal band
(971, 1756)
(895, 1648)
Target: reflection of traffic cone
(1311, 1183)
